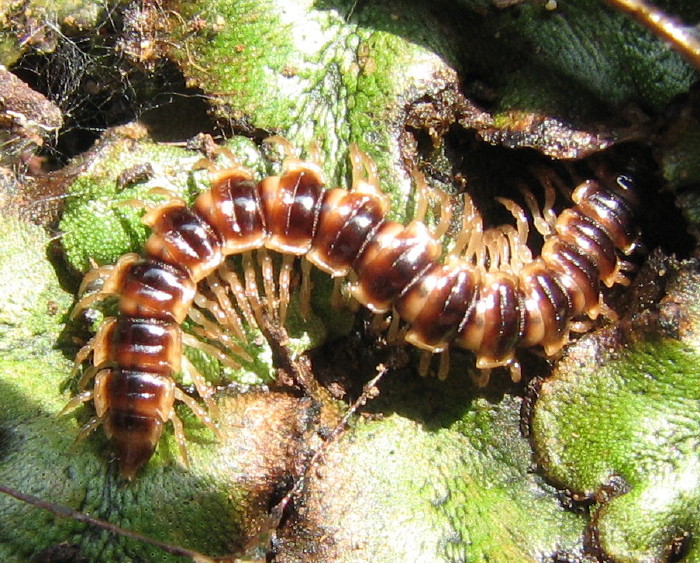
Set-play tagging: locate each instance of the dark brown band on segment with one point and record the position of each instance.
(182, 238)
(153, 289)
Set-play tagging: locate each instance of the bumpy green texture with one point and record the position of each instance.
(575, 56)
(307, 71)
(99, 225)
(407, 487)
(442, 472)
(102, 217)
(30, 313)
(205, 507)
(623, 427)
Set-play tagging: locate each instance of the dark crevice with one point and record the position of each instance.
(96, 87)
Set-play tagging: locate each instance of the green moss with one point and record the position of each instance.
(562, 62)
(319, 78)
(624, 427)
(98, 224)
(397, 490)
(30, 311)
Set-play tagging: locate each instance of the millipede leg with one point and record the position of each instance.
(392, 335)
(337, 298)
(580, 326)
(363, 168)
(284, 145)
(88, 376)
(205, 390)
(82, 355)
(235, 286)
(305, 292)
(205, 164)
(421, 196)
(424, 193)
(86, 302)
(379, 322)
(192, 342)
(268, 278)
(481, 377)
(542, 224)
(470, 222)
(285, 278)
(424, 362)
(313, 154)
(516, 372)
(180, 438)
(75, 402)
(607, 311)
(251, 287)
(214, 331)
(228, 154)
(199, 412)
(517, 238)
(89, 428)
(225, 315)
(101, 273)
(444, 367)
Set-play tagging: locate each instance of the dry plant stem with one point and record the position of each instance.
(683, 38)
(368, 391)
(65, 512)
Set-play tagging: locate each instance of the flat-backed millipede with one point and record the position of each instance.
(486, 294)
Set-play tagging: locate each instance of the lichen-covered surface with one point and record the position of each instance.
(595, 460)
(617, 423)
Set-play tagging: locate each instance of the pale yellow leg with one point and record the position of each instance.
(337, 298)
(223, 357)
(82, 355)
(75, 402)
(285, 279)
(89, 428)
(235, 286)
(444, 368)
(213, 331)
(392, 335)
(225, 316)
(305, 293)
(251, 287)
(205, 390)
(516, 372)
(180, 438)
(199, 412)
(424, 362)
(481, 377)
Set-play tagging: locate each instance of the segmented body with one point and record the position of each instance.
(447, 300)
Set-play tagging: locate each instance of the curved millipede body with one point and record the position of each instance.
(487, 294)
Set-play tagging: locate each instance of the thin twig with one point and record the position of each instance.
(65, 512)
(368, 391)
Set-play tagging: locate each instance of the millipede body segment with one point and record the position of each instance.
(490, 305)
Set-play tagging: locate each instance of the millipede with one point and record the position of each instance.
(486, 293)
